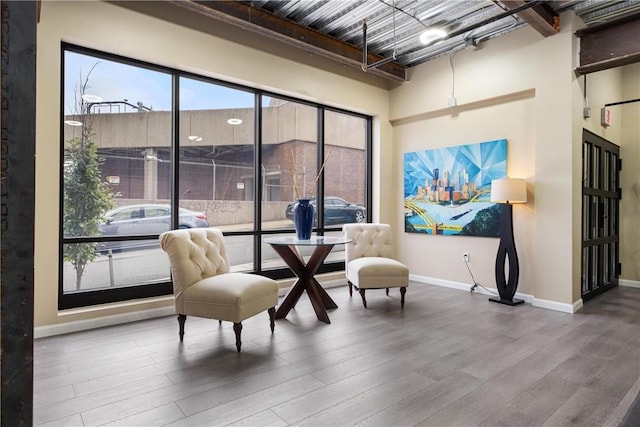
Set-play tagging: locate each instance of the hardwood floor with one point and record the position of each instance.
(450, 358)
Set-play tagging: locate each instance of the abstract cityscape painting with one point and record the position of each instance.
(447, 191)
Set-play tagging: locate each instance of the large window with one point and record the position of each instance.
(147, 149)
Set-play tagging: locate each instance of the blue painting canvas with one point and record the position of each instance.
(448, 190)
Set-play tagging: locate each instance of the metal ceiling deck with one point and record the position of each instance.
(394, 26)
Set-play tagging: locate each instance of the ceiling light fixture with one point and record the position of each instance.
(72, 123)
(234, 121)
(432, 35)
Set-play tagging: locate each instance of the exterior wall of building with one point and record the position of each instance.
(218, 167)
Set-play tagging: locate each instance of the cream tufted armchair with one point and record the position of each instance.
(203, 285)
(369, 260)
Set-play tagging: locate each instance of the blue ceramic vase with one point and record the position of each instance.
(303, 219)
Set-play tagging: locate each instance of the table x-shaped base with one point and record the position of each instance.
(319, 298)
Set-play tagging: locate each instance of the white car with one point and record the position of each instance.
(144, 219)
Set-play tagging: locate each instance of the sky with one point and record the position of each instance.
(113, 81)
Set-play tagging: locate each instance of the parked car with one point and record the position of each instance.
(144, 219)
(336, 211)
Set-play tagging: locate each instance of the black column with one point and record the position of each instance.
(17, 204)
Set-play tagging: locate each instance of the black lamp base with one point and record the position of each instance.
(513, 301)
(507, 253)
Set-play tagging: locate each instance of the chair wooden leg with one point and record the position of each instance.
(387, 291)
(403, 291)
(350, 288)
(237, 328)
(364, 301)
(181, 319)
(272, 318)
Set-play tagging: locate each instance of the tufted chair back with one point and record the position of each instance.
(195, 254)
(368, 240)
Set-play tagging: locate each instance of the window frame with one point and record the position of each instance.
(126, 293)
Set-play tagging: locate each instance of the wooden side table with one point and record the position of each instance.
(286, 247)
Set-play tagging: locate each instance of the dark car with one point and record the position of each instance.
(144, 219)
(336, 211)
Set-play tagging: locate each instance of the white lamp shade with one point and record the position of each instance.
(509, 190)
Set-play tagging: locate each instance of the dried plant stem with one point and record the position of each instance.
(315, 182)
(292, 172)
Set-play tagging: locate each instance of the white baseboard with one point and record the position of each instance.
(629, 283)
(530, 299)
(464, 286)
(557, 306)
(102, 321)
(441, 282)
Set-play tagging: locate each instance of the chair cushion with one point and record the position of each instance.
(377, 272)
(230, 296)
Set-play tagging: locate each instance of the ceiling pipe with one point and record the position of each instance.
(474, 40)
(366, 67)
(494, 18)
(611, 104)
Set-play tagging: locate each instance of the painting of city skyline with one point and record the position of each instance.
(447, 191)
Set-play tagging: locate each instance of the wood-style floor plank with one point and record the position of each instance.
(158, 416)
(449, 358)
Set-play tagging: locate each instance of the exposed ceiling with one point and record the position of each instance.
(335, 28)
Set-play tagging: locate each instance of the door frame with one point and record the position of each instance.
(600, 228)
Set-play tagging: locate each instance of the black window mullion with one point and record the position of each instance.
(175, 149)
(368, 170)
(320, 160)
(257, 188)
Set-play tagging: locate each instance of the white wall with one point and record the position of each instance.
(630, 175)
(114, 29)
(522, 87)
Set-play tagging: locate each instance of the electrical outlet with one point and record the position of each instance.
(465, 256)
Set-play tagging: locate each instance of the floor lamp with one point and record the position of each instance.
(507, 191)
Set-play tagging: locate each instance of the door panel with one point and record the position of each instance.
(600, 210)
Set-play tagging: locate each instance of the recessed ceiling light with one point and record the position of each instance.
(432, 35)
(195, 138)
(234, 121)
(72, 123)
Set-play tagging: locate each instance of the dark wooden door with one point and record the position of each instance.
(600, 215)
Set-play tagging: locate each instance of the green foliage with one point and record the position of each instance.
(486, 223)
(86, 199)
